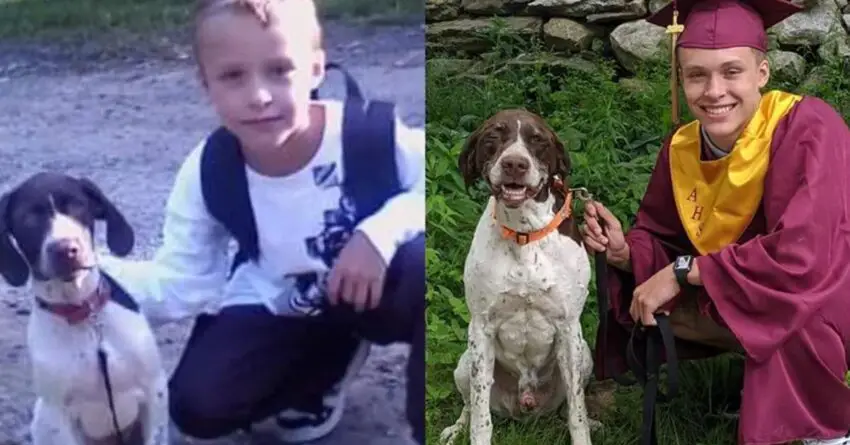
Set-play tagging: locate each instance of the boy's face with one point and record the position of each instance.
(722, 88)
(259, 78)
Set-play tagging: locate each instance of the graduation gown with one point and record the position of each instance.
(782, 288)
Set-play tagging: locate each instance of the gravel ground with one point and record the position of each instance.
(126, 118)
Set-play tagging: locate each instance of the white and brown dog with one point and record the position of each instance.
(526, 281)
(96, 367)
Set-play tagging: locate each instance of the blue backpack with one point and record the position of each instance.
(369, 164)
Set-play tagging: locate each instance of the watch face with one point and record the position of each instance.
(682, 262)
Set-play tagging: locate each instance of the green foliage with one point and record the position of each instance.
(612, 133)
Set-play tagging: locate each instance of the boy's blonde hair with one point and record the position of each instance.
(262, 10)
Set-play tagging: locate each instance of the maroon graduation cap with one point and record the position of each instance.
(718, 24)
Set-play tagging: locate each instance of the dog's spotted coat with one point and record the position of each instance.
(526, 354)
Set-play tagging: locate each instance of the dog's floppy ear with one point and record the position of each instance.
(562, 160)
(13, 266)
(468, 161)
(119, 235)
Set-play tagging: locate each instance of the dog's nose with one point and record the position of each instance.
(515, 165)
(66, 249)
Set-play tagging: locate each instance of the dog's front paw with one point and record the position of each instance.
(450, 434)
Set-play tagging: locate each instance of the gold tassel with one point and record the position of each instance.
(674, 30)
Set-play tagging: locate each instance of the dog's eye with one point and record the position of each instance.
(69, 202)
(33, 215)
(74, 203)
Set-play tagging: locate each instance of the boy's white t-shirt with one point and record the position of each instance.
(295, 217)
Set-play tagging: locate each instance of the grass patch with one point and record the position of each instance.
(613, 134)
(51, 18)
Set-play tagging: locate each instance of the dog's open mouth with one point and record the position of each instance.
(514, 194)
(514, 191)
(73, 274)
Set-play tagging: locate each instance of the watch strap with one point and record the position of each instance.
(681, 268)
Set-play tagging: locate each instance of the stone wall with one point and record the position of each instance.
(569, 28)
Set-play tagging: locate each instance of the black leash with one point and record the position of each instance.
(104, 371)
(101, 358)
(602, 303)
(657, 340)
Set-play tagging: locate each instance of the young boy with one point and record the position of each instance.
(277, 339)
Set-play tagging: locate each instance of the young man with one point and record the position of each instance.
(743, 236)
(278, 337)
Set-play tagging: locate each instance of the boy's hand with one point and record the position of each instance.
(358, 275)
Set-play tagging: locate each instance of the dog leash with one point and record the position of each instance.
(602, 292)
(657, 340)
(104, 370)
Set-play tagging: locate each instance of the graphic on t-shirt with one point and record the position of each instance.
(339, 223)
(325, 176)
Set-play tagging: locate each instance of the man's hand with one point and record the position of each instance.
(610, 240)
(358, 275)
(655, 292)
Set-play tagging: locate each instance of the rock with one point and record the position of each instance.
(440, 10)
(656, 5)
(806, 4)
(632, 11)
(449, 67)
(817, 76)
(773, 42)
(787, 65)
(810, 27)
(638, 41)
(836, 49)
(585, 8)
(560, 65)
(463, 34)
(599, 46)
(842, 3)
(492, 7)
(846, 9)
(569, 35)
(846, 18)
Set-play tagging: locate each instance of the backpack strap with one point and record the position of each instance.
(119, 295)
(224, 184)
(369, 149)
(352, 90)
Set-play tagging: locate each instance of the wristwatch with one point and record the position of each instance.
(681, 268)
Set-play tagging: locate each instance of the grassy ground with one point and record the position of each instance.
(27, 18)
(613, 135)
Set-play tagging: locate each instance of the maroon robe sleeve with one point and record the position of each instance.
(768, 287)
(654, 240)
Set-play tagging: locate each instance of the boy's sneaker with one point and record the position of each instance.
(295, 426)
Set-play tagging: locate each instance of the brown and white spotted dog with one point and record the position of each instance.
(526, 281)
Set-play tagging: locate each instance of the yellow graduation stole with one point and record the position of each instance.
(716, 200)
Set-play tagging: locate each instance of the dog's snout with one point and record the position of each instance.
(515, 165)
(67, 249)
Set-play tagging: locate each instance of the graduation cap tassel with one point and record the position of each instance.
(674, 30)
